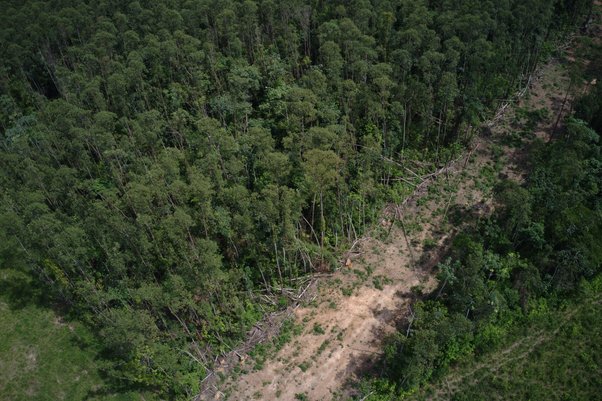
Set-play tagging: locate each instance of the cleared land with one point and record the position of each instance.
(340, 332)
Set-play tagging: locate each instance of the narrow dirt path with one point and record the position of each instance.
(342, 329)
(518, 351)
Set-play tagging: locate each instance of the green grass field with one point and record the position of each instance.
(43, 357)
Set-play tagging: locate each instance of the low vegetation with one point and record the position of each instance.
(517, 310)
(43, 356)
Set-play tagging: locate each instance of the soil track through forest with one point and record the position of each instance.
(358, 306)
(517, 351)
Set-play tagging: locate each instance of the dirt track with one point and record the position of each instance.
(355, 308)
(358, 306)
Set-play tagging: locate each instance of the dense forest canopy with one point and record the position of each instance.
(164, 162)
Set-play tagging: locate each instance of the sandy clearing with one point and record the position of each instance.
(363, 318)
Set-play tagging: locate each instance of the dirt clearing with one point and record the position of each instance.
(340, 332)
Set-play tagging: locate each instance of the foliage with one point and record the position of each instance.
(553, 355)
(45, 357)
(162, 163)
(510, 275)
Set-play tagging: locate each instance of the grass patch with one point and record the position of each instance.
(318, 329)
(304, 366)
(323, 346)
(377, 282)
(347, 291)
(42, 356)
